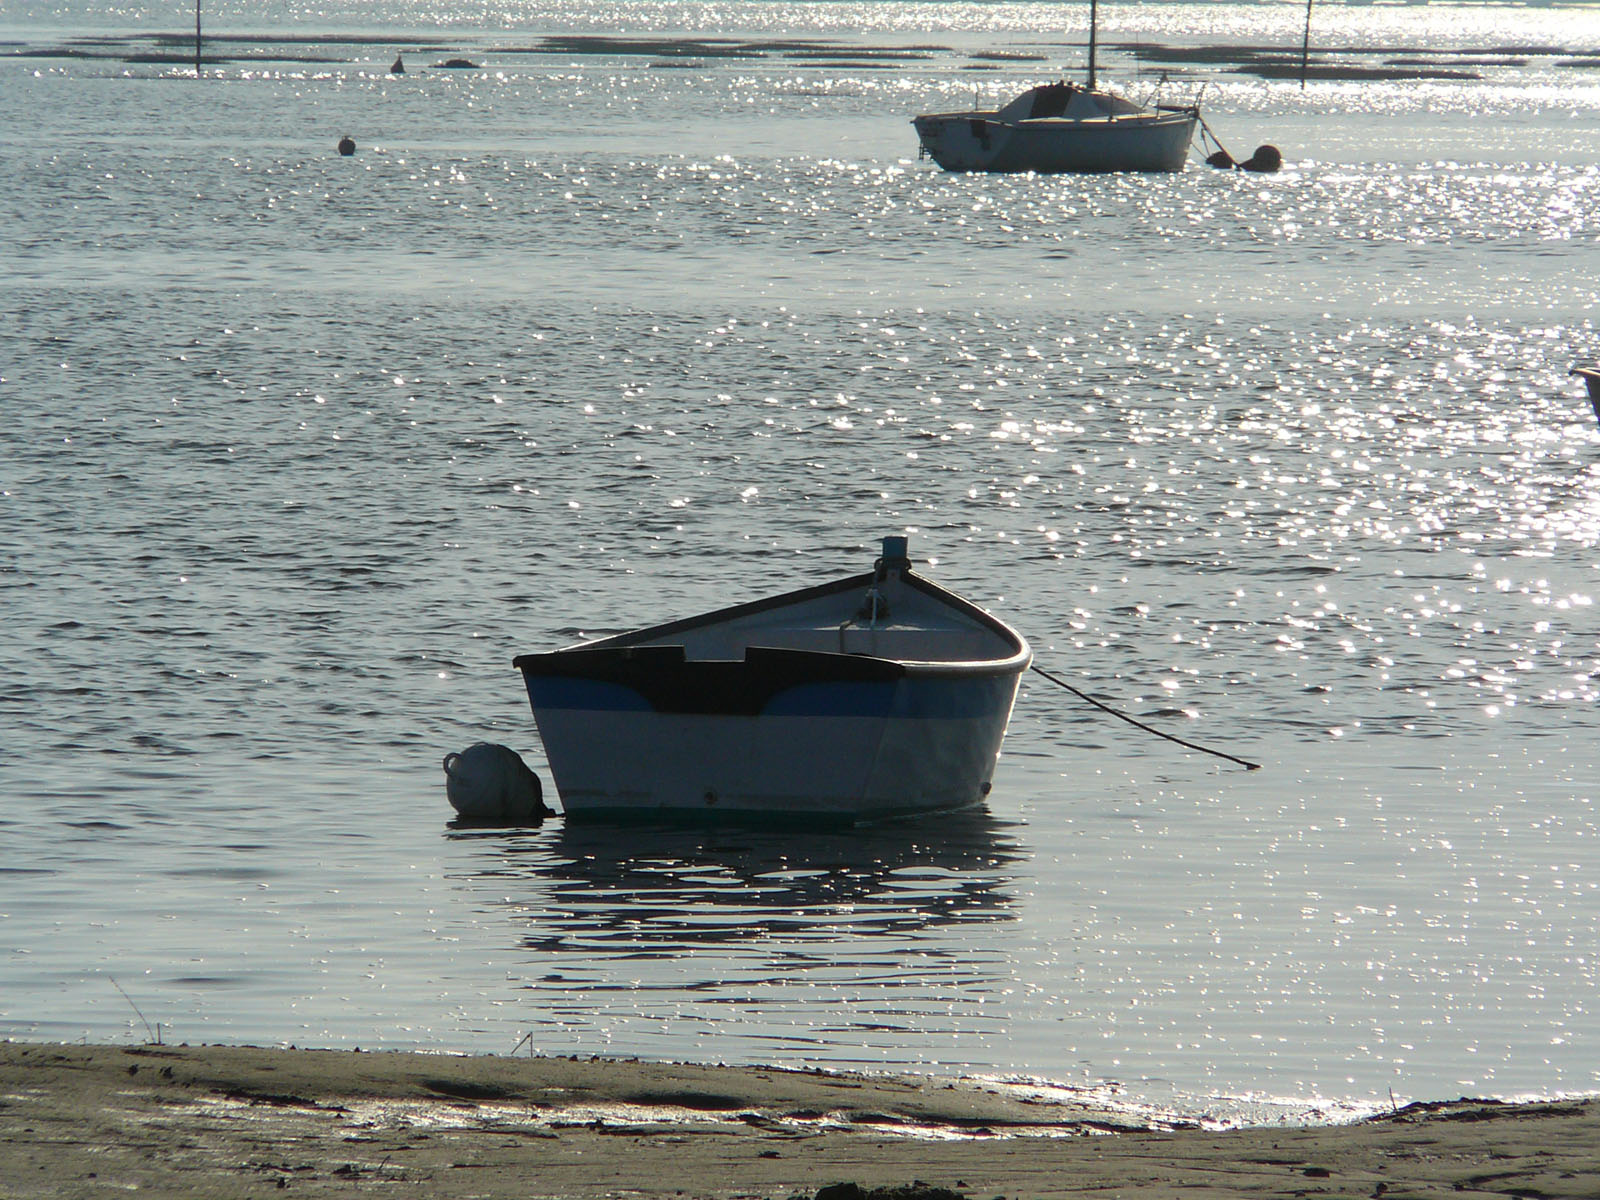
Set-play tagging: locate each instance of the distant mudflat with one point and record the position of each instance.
(229, 1120)
(1347, 63)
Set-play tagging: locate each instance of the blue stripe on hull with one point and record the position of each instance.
(916, 698)
(589, 695)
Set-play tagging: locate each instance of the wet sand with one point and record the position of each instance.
(181, 1121)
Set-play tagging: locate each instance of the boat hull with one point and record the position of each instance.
(829, 753)
(1148, 142)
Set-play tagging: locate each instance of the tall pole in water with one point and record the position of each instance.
(1305, 46)
(1094, 13)
(197, 39)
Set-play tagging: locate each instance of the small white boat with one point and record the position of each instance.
(1062, 127)
(880, 695)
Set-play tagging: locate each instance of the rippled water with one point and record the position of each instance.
(300, 450)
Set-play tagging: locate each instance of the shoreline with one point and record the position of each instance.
(210, 1121)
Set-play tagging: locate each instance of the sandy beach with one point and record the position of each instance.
(214, 1121)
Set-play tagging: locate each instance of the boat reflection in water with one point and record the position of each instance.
(815, 944)
(680, 887)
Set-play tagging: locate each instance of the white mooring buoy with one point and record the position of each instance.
(490, 783)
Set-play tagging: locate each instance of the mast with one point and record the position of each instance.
(1305, 47)
(1094, 14)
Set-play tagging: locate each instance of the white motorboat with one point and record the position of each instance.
(879, 695)
(1062, 127)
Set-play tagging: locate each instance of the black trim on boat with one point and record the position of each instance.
(669, 682)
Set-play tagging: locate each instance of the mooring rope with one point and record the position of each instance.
(1205, 134)
(1248, 765)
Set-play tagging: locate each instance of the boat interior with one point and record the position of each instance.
(889, 619)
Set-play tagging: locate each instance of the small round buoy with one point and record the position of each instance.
(1221, 159)
(491, 784)
(399, 67)
(347, 145)
(1266, 159)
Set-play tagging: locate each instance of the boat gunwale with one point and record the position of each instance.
(1162, 115)
(1109, 121)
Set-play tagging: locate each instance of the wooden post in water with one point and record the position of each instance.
(1305, 46)
(197, 39)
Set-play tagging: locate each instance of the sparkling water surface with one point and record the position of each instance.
(299, 450)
